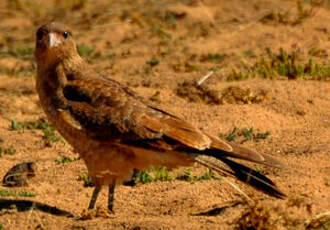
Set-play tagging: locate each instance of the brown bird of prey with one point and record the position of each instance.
(115, 131)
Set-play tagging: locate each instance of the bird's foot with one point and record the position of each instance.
(94, 213)
(87, 214)
(104, 212)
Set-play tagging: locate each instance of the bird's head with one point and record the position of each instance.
(54, 42)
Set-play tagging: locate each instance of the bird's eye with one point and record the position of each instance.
(40, 34)
(65, 34)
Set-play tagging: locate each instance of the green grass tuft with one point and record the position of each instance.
(283, 64)
(153, 62)
(143, 177)
(24, 52)
(162, 174)
(5, 193)
(86, 178)
(49, 136)
(187, 176)
(8, 150)
(65, 159)
(244, 134)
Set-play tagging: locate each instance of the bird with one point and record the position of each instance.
(116, 131)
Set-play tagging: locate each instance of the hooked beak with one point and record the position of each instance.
(53, 40)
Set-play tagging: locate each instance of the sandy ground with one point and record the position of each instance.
(122, 40)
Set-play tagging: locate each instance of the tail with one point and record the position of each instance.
(240, 171)
(244, 174)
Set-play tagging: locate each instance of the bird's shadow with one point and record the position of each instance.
(27, 205)
(218, 210)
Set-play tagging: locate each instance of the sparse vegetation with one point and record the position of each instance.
(28, 125)
(213, 57)
(153, 62)
(244, 134)
(186, 67)
(283, 64)
(18, 71)
(65, 159)
(49, 136)
(289, 17)
(155, 174)
(188, 176)
(24, 52)
(7, 150)
(153, 46)
(5, 193)
(193, 92)
(143, 177)
(88, 52)
(164, 174)
(86, 178)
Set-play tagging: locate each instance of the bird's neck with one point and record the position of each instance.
(57, 74)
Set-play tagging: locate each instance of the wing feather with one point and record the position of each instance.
(107, 111)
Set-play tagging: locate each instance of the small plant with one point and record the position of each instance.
(283, 64)
(29, 125)
(162, 174)
(143, 177)
(49, 136)
(261, 135)
(24, 52)
(215, 68)
(231, 136)
(155, 174)
(153, 62)
(246, 134)
(65, 159)
(86, 178)
(88, 52)
(85, 50)
(187, 176)
(208, 176)
(186, 67)
(301, 14)
(9, 150)
(237, 76)
(5, 193)
(213, 57)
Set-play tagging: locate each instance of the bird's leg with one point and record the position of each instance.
(96, 191)
(111, 196)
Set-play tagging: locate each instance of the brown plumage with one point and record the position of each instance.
(115, 131)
